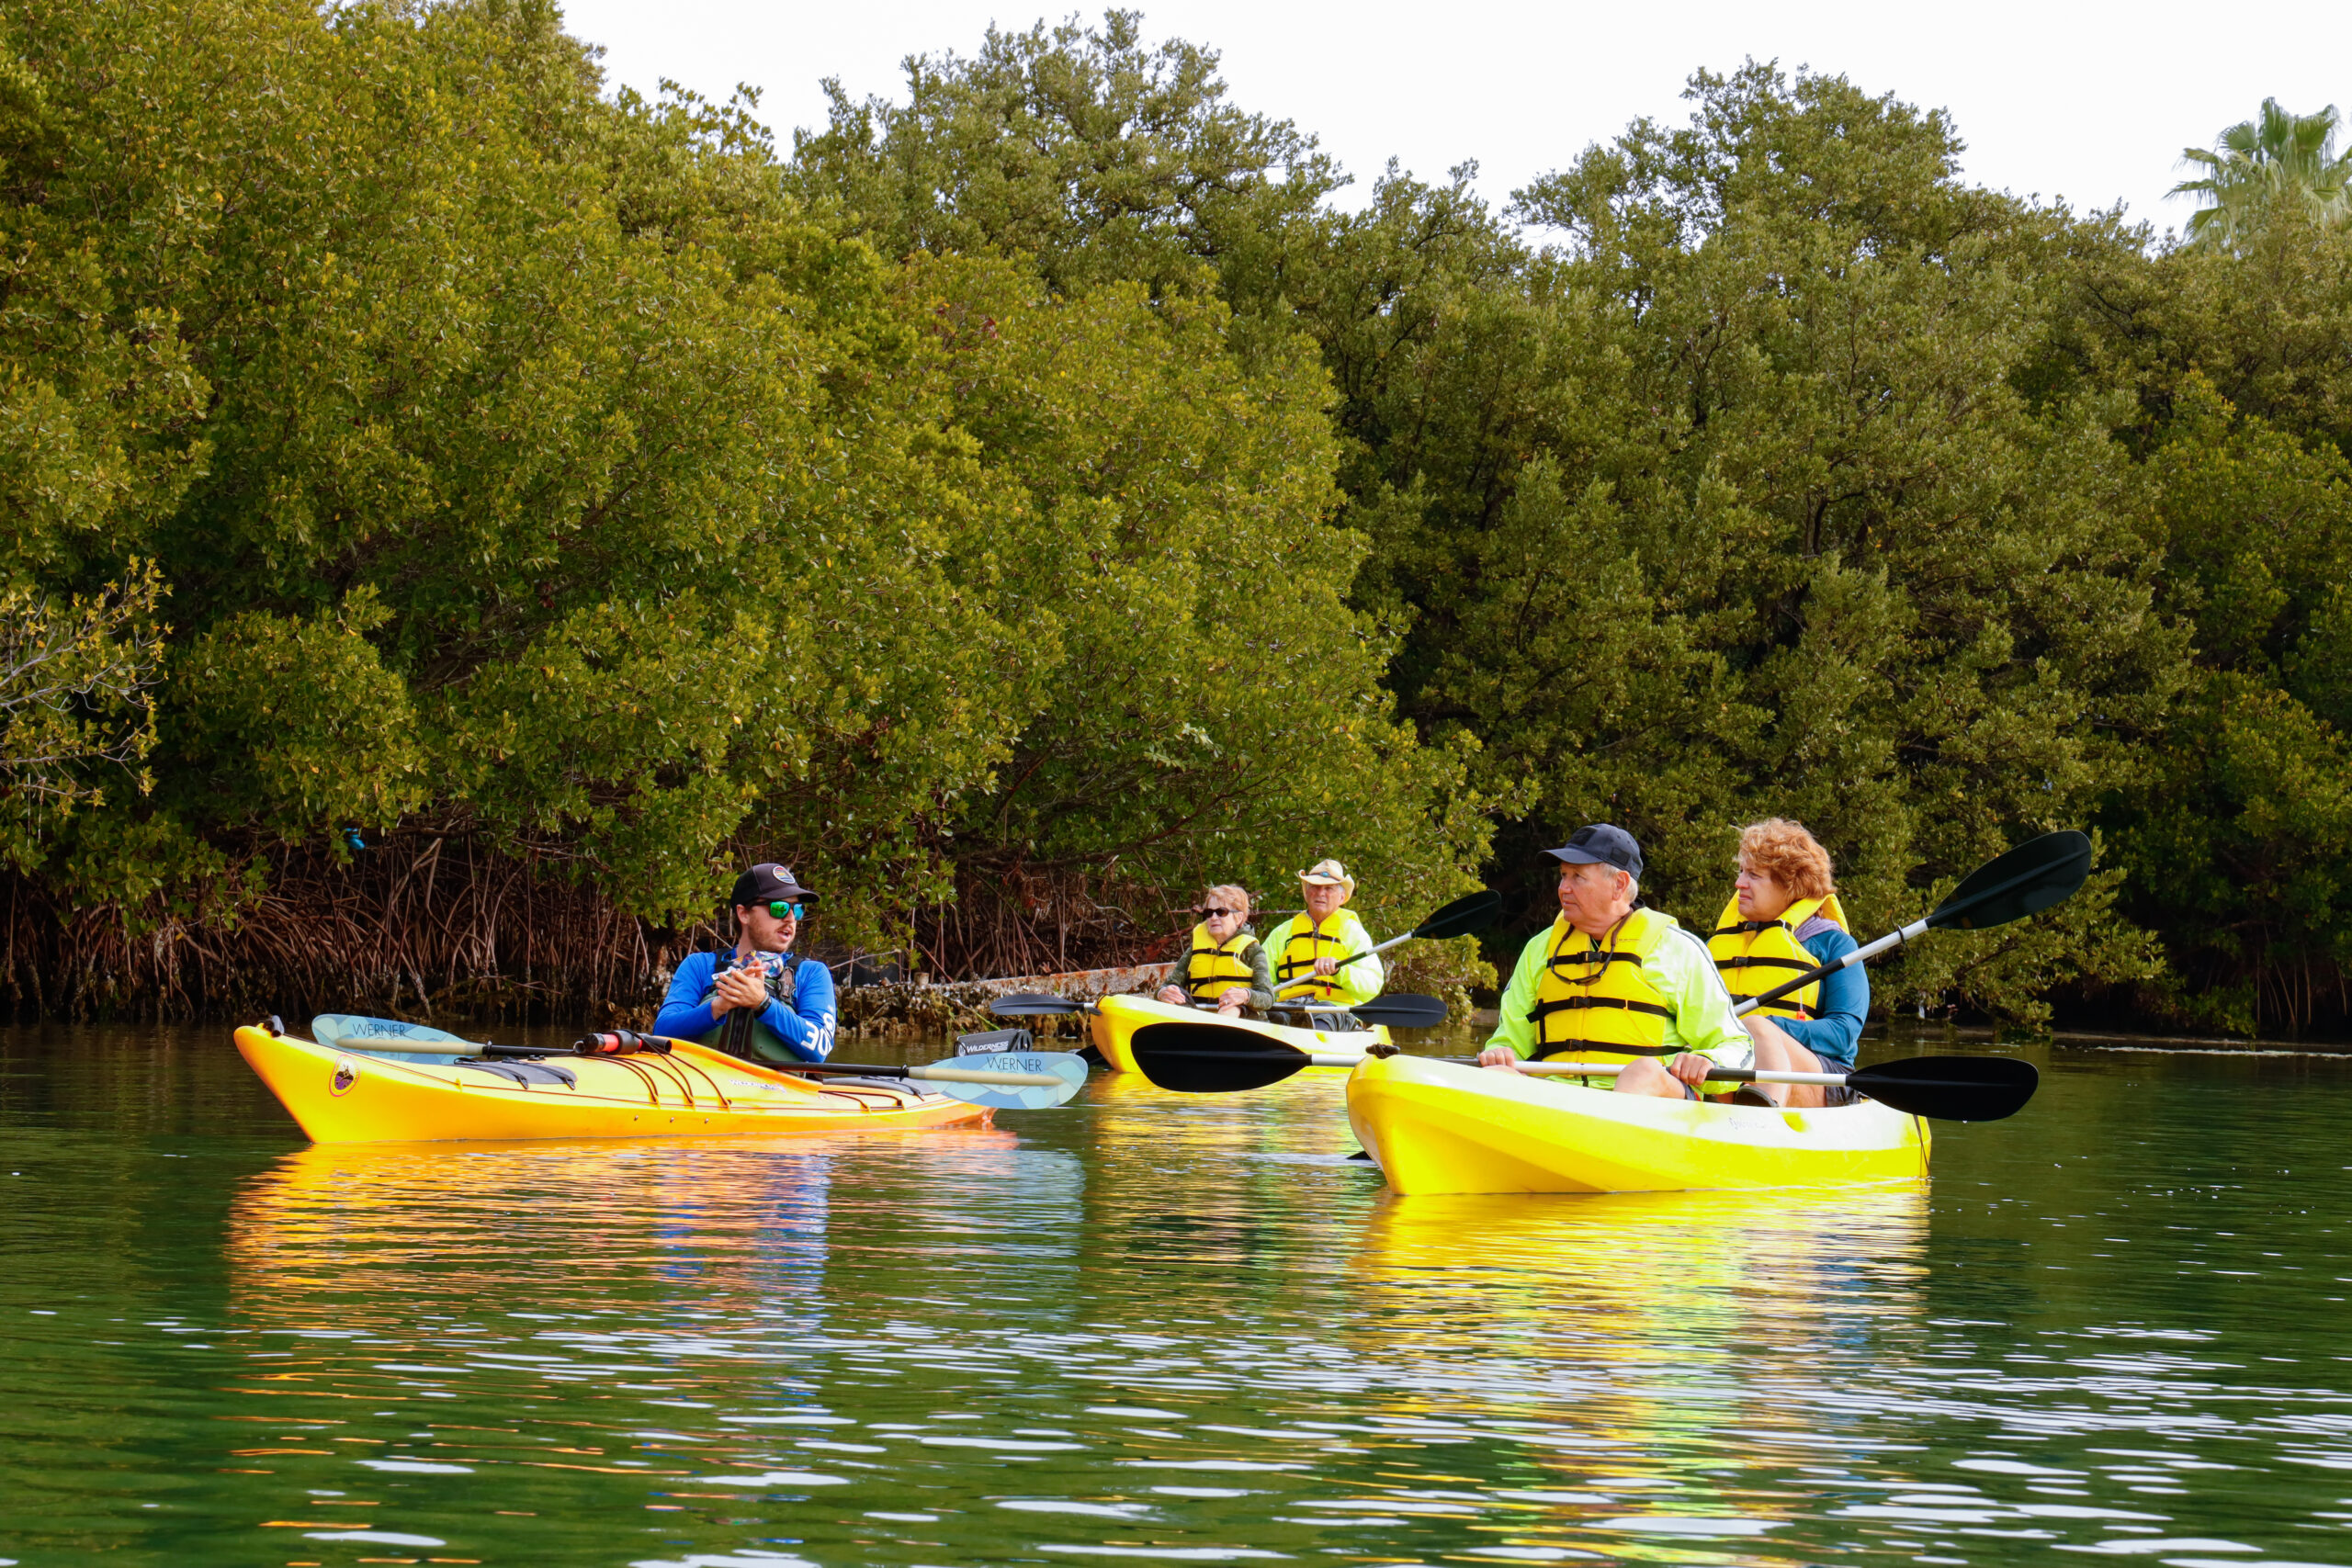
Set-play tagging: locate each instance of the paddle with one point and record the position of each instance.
(1946, 1089)
(1403, 1010)
(1025, 1080)
(1194, 1059)
(1037, 1004)
(2032, 877)
(1471, 912)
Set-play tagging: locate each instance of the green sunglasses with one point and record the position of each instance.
(780, 908)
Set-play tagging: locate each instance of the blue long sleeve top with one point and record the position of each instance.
(804, 1030)
(1844, 1003)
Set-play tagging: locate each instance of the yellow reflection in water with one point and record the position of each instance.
(556, 1222)
(1670, 1328)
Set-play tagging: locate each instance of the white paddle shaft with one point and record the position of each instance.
(1860, 955)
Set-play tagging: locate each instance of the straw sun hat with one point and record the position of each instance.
(1330, 874)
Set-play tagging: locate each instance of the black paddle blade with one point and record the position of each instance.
(1951, 1088)
(2027, 880)
(1201, 1058)
(1406, 1009)
(1471, 912)
(1033, 1004)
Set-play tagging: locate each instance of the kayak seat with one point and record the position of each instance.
(524, 1073)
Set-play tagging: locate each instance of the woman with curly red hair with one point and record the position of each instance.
(1784, 919)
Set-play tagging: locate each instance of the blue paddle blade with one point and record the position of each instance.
(332, 1029)
(1062, 1065)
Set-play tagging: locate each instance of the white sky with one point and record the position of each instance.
(2088, 102)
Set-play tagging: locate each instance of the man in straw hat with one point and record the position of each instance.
(1325, 954)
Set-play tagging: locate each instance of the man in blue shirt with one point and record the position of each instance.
(762, 1003)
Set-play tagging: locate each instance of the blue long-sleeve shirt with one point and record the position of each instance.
(803, 1030)
(1844, 1003)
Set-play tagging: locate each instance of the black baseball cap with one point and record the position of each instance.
(767, 882)
(1601, 844)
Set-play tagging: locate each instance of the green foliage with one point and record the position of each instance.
(1103, 159)
(77, 705)
(1034, 494)
(526, 464)
(2279, 165)
(1737, 504)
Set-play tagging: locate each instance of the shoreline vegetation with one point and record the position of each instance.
(456, 513)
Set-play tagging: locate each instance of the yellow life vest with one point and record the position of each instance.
(1753, 956)
(1592, 1002)
(1342, 937)
(1216, 965)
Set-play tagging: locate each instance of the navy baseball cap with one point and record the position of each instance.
(767, 882)
(1601, 844)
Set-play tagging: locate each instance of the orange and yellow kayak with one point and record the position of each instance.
(352, 1097)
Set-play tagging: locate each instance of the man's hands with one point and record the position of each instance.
(1690, 1068)
(746, 988)
(1232, 999)
(1326, 965)
(1501, 1056)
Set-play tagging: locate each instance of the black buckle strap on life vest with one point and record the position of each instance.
(1746, 928)
(1572, 1048)
(1543, 1010)
(1746, 961)
(1590, 957)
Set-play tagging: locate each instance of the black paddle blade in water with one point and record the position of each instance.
(1033, 1004)
(1951, 1088)
(1471, 912)
(1201, 1058)
(2026, 881)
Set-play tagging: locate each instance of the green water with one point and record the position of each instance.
(1162, 1329)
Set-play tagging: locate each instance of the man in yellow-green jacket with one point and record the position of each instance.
(1325, 954)
(1610, 981)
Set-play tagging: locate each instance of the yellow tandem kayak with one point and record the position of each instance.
(1447, 1127)
(350, 1097)
(1116, 1019)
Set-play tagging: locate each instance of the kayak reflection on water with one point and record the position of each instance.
(1675, 1324)
(517, 1225)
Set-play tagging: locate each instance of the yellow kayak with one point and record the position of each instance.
(1448, 1127)
(1116, 1019)
(351, 1097)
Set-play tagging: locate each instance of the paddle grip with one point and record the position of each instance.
(619, 1043)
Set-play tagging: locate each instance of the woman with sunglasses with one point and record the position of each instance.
(1225, 967)
(760, 1002)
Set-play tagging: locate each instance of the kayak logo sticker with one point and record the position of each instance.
(347, 1073)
